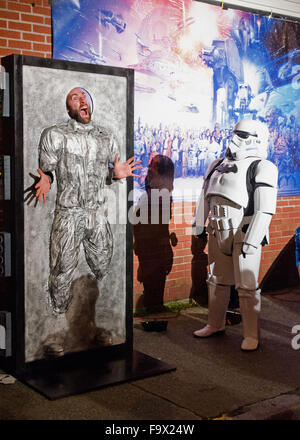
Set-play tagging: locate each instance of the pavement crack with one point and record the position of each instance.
(270, 407)
(167, 400)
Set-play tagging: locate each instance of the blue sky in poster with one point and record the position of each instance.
(198, 69)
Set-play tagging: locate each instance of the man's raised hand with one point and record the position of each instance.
(43, 186)
(126, 169)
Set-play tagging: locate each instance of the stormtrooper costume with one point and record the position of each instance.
(238, 199)
(79, 154)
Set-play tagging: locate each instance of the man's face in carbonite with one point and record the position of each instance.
(78, 106)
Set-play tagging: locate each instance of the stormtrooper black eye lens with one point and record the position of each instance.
(242, 134)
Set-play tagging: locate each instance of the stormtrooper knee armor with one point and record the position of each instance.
(238, 199)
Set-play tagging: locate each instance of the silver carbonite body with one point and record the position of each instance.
(79, 154)
(238, 200)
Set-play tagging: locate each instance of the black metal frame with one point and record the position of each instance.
(262, 12)
(12, 289)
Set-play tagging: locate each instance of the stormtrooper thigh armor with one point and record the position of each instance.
(233, 268)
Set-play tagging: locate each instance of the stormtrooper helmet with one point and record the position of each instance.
(249, 139)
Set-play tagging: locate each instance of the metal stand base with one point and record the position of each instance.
(57, 383)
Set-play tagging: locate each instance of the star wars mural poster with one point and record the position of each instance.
(198, 69)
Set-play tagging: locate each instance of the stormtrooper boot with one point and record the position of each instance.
(250, 307)
(218, 299)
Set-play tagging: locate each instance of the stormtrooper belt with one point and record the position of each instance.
(224, 223)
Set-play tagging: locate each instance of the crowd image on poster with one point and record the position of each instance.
(198, 70)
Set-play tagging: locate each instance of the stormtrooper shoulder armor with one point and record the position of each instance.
(266, 173)
(265, 194)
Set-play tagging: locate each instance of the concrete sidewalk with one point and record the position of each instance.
(213, 377)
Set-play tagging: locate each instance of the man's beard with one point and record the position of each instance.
(75, 114)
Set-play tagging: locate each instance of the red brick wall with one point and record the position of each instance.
(179, 281)
(283, 226)
(25, 28)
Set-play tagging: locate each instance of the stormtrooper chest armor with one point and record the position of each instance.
(229, 180)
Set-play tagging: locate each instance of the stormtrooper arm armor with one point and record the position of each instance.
(201, 214)
(265, 197)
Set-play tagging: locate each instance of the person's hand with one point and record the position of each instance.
(31, 191)
(43, 186)
(173, 239)
(126, 169)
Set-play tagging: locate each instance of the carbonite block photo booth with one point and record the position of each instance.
(94, 336)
